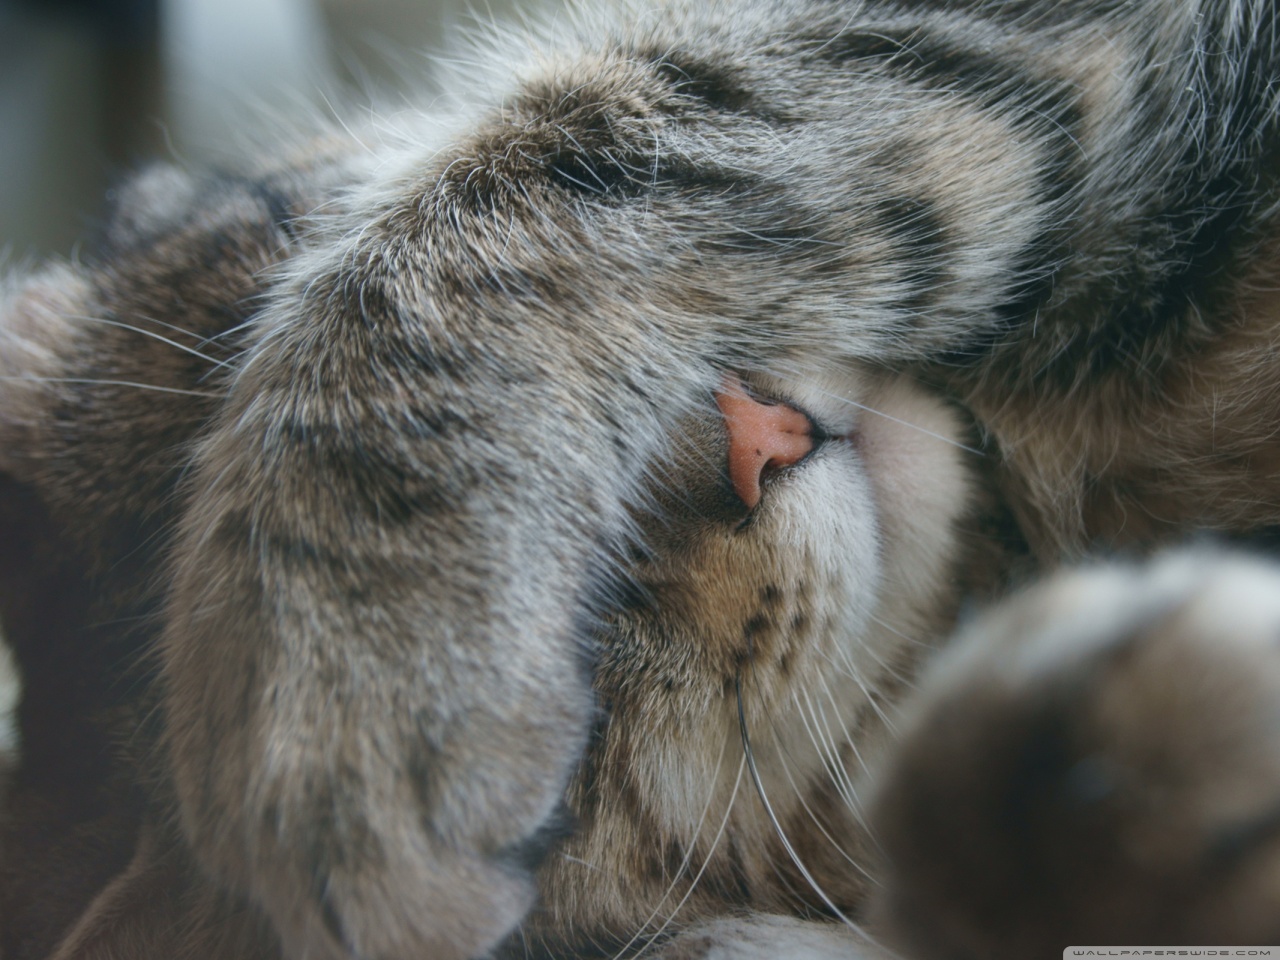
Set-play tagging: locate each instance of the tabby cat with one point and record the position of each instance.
(530, 526)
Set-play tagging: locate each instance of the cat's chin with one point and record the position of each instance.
(863, 534)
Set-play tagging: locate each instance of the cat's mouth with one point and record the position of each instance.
(766, 436)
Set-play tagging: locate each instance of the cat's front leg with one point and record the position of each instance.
(1096, 761)
(377, 645)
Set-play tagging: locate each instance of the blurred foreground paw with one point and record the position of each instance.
(1096, 761)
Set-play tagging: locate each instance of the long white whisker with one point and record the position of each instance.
(856, 804)
(889, 668)
(857, 678)
(846, 667)
(844, 729)
(715, 842)
(777, 825)
(853, 745)
(697, 832)
(885, 624)
(820, 731)
(824, 742)
(153, 335)
(114, 383)
(913, 426)
(851, 670)
(229, 332)
(817, 822)
(950, 441)
(159, 323)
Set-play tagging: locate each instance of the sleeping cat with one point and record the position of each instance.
(524, 534)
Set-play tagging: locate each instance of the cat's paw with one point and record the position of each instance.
(366, 833)
(1097, 761)
(382, 793)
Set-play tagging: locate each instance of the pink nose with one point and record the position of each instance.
(763, 436)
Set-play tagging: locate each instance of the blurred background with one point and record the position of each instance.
(91, 88)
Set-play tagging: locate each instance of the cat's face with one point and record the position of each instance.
(805, 608)
(790, 622)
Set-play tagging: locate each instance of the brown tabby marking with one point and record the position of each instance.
(366, 530)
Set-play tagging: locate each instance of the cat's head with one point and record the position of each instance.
(795, 556)
(352, 460)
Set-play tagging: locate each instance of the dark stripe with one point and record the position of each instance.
(919, 58)
(279, 207)
(1169, 268)
(712, 86)
(1226, 172)
(1028, 15)
(572, 138)
(1047, 106)
(917, 232)
(613, 172)
(757, 215)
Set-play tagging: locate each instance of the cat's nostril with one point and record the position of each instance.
(763, 436)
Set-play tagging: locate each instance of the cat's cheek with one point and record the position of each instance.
(911, 448)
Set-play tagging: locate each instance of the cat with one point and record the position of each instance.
(534, 532)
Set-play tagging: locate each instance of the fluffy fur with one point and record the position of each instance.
(379, 589)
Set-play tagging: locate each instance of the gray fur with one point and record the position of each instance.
(375, 507)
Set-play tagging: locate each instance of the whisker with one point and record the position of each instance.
(230, 331)
(697, 832)
(816, 820)
(914, 426)
(115, 383)
(857, 755)
(152, 334)
(850, 669)
(890, 669)
(874, 704)
(824, 742)
(159, 323)
(787, 371)
(856, 807)
(886, 625)
(822, 737)
(749, 753)
(847, 668)
(733, 796)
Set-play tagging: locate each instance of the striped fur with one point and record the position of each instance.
(369, 555)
